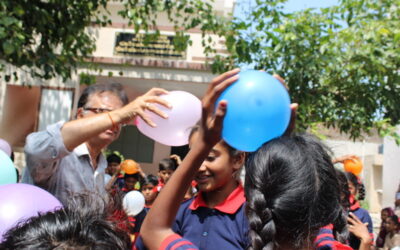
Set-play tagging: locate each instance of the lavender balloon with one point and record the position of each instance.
(173, 131)
(4, 146)
(19, 202)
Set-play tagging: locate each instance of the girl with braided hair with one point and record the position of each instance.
(357, 192)
(356, 187)
(292, 193)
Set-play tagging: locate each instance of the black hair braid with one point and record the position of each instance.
(262, 227)
(292, 191)
(361, 191)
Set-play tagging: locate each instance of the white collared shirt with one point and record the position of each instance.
(52, 167)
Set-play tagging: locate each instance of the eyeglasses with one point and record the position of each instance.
(97, 110)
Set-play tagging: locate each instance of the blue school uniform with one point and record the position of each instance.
(324, 241)
(222, 227)
(364, 217)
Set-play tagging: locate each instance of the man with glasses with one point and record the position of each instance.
(66, 158)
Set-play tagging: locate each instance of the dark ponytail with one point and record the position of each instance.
(292, 191)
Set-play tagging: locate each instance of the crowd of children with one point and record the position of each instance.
(292, 197)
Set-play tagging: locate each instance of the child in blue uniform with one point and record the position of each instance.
(215, 218)
(357, 192)
(216, 177)
(306, 181)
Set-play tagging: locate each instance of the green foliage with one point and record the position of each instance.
(341, 63)
(48, 38)
(87, 79)
(364, 204)
(108, 152)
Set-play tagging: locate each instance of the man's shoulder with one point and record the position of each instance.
(51, 130)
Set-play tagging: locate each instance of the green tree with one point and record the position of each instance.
(48, 38)
(341, 63)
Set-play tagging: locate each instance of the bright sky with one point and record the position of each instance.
(291, 5)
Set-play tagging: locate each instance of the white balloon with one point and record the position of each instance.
(133, 203)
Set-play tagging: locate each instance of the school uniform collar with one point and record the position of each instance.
(354, 204)
(229, 206)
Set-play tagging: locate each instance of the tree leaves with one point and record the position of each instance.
(341, 63)
(49, 38)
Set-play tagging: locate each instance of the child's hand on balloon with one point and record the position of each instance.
(292, 122)
(343, 158)
(211, 123)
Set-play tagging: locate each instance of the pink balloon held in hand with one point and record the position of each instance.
(174, 130)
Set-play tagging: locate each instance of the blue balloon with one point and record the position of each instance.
(258, 110)
(8, 174)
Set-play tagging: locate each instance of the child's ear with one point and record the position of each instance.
(239, 160)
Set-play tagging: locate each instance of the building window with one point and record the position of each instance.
(133, 145)
(55, 105)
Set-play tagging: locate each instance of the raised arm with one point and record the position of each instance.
(43, 149)
(78, 131)
(342, 158)
(157, 225)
